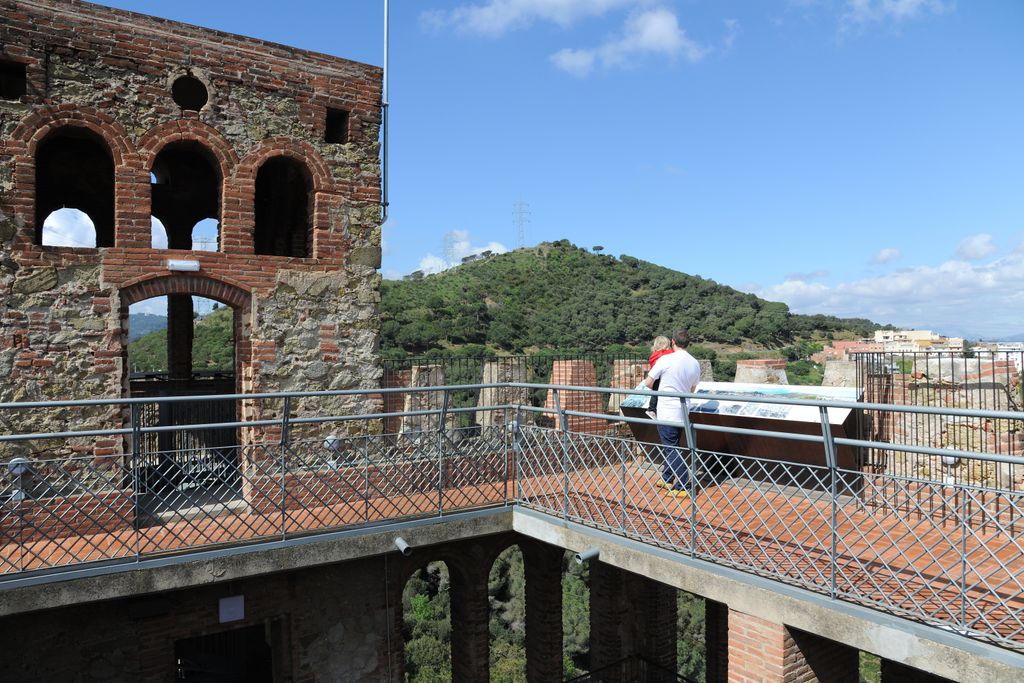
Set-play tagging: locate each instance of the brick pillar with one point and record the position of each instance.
(393, 402)
(651, 626)
(630, 615)
(179, 336)
(765, 651)
(470, 613)
(894, 672)
(606, 614)
(762, 371)
(716, 641)
(543, 611)
(580, 373)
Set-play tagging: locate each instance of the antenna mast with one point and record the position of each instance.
(520, 217)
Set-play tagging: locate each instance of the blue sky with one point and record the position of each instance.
(853, 157)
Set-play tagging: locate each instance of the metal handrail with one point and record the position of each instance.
(371, 478)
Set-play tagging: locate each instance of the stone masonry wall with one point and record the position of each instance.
(307, 323)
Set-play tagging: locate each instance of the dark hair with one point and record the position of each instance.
(681, 338)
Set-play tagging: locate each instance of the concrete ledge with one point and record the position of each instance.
(930, 649)
(112, 581)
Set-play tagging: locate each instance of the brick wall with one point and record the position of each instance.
(580, 373)
(761, 650)
(762, 371)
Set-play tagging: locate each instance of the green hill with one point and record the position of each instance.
(559, 296)
(212, 347)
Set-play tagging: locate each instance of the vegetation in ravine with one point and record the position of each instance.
(427, 627)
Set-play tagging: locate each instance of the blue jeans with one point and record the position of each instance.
(674, 471)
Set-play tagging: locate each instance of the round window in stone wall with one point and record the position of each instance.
(189, 93)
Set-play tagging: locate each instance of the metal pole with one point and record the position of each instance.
(691, 445)
(136, 479)
(830, 459)
(622, 498)
(366, 475)
(384, 119)
(285, 414)
(563, 425)
(440, 453)
(517, 451)
(964, 525)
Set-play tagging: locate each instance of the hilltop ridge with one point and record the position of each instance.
(559, 296)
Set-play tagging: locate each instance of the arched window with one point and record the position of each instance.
(427, 626)
(185, 184)
(284, 199)
(74, 170)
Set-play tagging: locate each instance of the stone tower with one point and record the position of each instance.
(130, 118)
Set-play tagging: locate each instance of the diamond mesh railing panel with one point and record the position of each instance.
(941, 551)
(476, 467)
(65, 512)
(801, 524)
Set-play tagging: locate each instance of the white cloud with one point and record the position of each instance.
(861, 12)
(69, 228)
(976, 247)
(957, 297)
(457, 247)
(158, 234)
(496, 17)
(155, 306)
(653, 31)
(885, 255)
(732, 29)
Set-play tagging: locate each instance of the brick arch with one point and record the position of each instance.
(36, 126)
(218, 289)
(299, 151)
(188, 130)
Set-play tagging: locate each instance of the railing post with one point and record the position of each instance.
(282, 464)
(136, 478)
(366, 474)
(622, 481)
(830, 459)
(517, 452)
(691, 445)
(443, 419)
(563, 425)
(964, 525)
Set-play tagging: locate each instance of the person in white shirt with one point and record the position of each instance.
(680, 372)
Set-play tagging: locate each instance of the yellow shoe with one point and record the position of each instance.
(679, 493)
(662, 484)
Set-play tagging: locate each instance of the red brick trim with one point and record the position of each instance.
(158, 137)
(35, 127)
(40, 123)
(297, 150)
(219, 289)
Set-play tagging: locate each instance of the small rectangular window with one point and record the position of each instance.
(13, 80)
(337, 126)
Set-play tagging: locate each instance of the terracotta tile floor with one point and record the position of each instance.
(891, 562)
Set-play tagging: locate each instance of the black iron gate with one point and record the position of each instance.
(186, 459)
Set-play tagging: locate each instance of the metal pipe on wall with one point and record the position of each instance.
(384, 122)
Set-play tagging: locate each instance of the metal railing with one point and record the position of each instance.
(781, 501)
(473, 375)
(973, 380)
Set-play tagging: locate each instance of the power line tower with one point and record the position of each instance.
(448, 248)
(520, 217)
